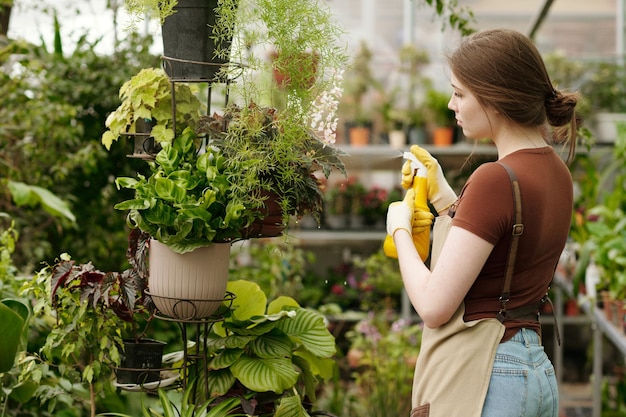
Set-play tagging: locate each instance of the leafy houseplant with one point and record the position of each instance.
(186, 202)
(374, 205)
(299, 133)
(604, 92)
(271, 356)
(94, 313)
(441, 118)
(147, 98)
(201, 194)
(343, 201)
(604, 223)
(263, 157)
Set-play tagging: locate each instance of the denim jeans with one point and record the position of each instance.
(523, 382)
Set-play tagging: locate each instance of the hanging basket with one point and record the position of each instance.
(189, 286)
(188, 43)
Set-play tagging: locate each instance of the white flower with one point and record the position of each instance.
(323, 118)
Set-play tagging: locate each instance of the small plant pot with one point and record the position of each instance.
(397, 139)
(145, 146)
(359, 135)
(442, 136)
(141, 362)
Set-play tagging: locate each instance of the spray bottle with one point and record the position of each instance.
(420, 186)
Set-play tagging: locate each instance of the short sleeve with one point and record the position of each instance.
(485, 206)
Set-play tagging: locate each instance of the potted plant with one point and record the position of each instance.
(270, 356)
(5, 15)
(225, 169)
(358, 82)
(441, 118)
(146, 112)
(267, 162)
(603, 90)
(343, 203)
(598, 224)
(373, 206)
(412, 61)
(196, 36)
(188, 208)
(93, 314)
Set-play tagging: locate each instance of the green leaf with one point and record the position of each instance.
(11, 325)
(291, 407)
(168, 190)
(308, 327)
(250, 300)
(225, 359)
(32, 195)
(272, 345)
(220, 381)
(168, 158)
(23, 391)
(280, 303)
(262, 375)
(134, 204)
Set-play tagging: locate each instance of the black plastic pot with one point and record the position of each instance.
(141, 362)
(188, 47)
(145, 146)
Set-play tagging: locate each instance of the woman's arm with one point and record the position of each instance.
(437, 294)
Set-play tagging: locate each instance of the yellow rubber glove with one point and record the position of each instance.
(400, 214)
(415, 219)
(440, 194)
(422, 220)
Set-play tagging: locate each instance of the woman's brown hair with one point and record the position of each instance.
(505, 71)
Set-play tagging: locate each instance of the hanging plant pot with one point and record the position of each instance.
(306, 65)
(271, 224)
(141, 362)
(188, 43)
(188, 286)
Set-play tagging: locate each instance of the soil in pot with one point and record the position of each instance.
(141, 362)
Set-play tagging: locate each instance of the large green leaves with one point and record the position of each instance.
(269, 348)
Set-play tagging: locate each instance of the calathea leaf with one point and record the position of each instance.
(276, 375)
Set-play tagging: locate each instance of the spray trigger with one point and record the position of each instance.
(418, 168)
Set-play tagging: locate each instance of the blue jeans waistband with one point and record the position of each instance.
(527, 337)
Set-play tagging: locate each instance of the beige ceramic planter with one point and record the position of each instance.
(188, 286)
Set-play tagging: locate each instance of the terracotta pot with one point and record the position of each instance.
(607, 305)
(307, 61)
(442, 136)
(359, 135)
(188, 286)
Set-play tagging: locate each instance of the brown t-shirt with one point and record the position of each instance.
(485, 208)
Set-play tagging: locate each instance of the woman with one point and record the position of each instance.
(502, 92)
